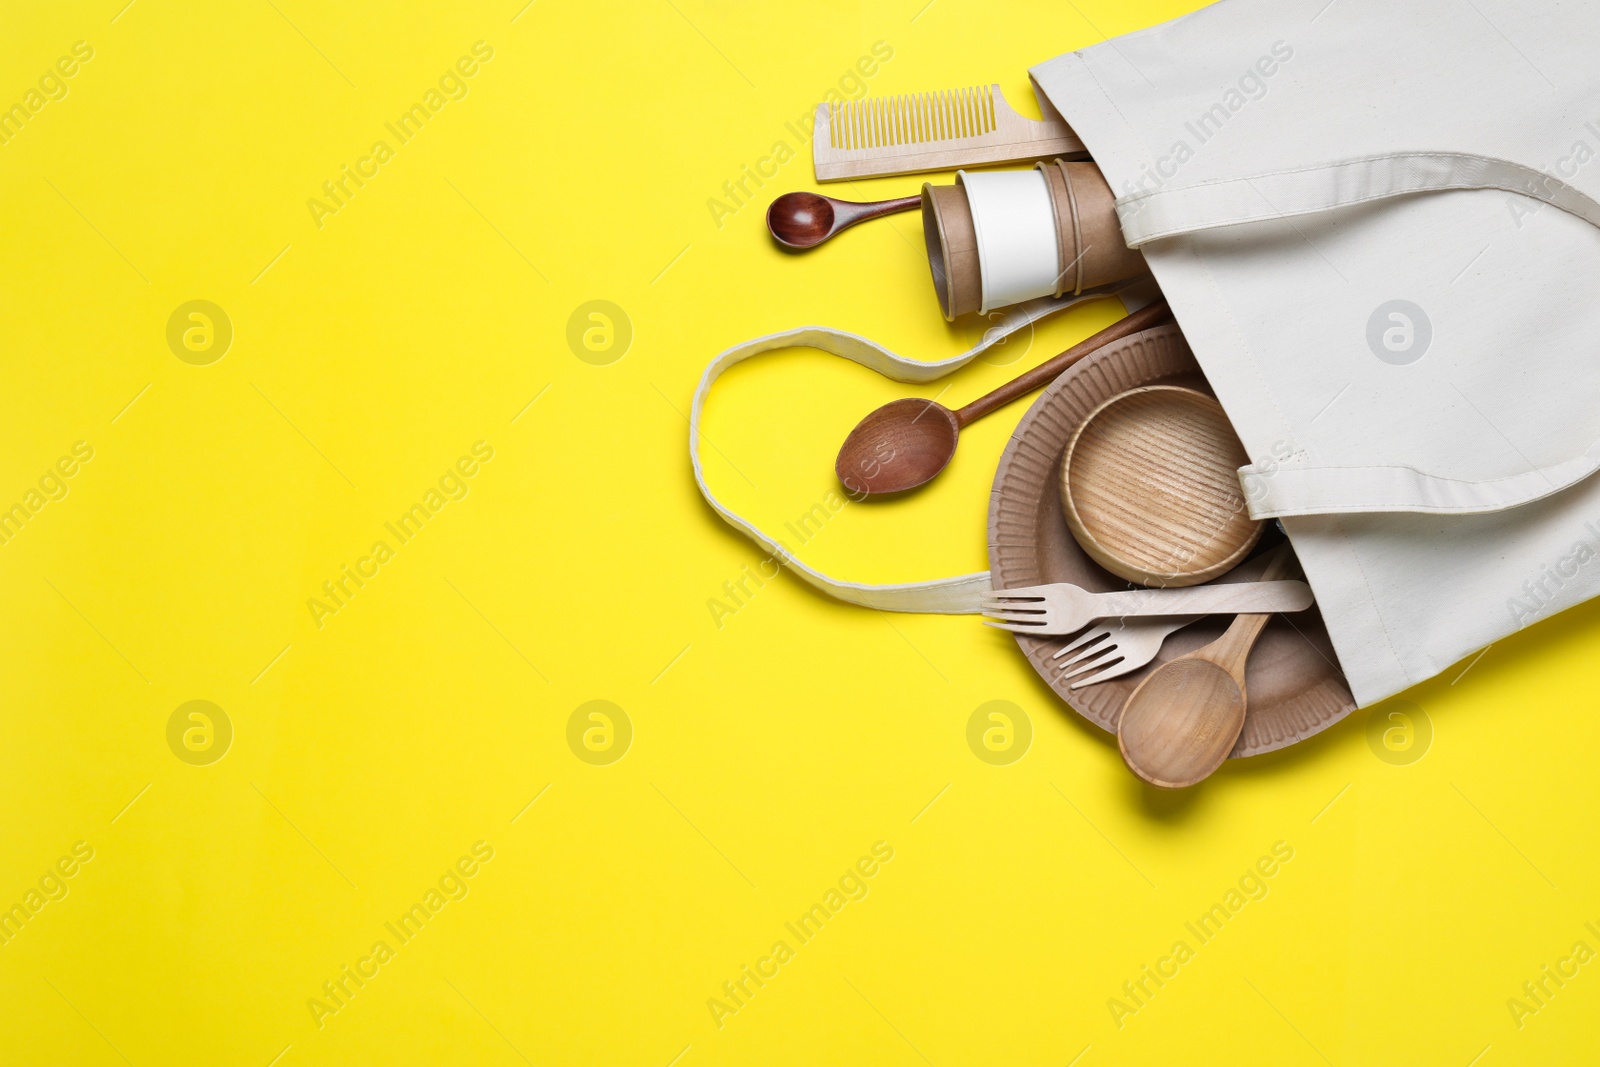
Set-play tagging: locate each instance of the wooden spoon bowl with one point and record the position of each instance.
(899, 446)
(1150, 491)
(1180, 724)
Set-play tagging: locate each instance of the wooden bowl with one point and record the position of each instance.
(1296, 687)
(1149, 488)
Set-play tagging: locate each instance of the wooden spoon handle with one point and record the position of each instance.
(1232, 649)
(848, 214)
(1051, 369)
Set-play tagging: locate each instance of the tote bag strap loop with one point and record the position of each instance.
(948, 596)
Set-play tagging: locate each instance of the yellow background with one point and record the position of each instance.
(768, 752)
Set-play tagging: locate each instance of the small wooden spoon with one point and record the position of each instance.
(1183, 720)
(906, 443)
(805, 220)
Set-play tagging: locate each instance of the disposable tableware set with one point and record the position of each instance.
(1133, 547)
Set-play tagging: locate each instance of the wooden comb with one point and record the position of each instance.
(934, 131)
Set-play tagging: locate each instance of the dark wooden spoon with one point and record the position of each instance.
(805, 220)
(906, 443)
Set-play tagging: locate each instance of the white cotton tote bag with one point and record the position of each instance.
(1376, 223)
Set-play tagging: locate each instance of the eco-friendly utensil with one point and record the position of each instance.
(1183, 720)
(1296, 687)
(1149, 488)
(906, 443)
(1063, 608)
(1117, 647)
(802, 220)
(1121, 646)
(934, 131)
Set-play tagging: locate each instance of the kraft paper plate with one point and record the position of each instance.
(1295, 686)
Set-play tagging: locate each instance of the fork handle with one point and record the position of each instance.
(1239, 598)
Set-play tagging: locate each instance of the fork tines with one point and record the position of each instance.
(1093, 642)
(1016, 610)
(1011, 598)
(1017, 624)
(1015, 607)
(1097, 654)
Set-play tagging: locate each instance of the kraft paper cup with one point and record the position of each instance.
(952, 244)
(1081, 213)
(1093, 252)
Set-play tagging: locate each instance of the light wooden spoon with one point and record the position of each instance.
(1183, 720)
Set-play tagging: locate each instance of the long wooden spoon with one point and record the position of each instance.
(1183, 720)
(906, 443)
(805, 220)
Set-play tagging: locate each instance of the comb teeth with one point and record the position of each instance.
(913, 118)
(921, 132)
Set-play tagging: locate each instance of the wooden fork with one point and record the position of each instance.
(1114, 648)
(1062, 608)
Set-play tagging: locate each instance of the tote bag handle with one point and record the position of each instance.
(944, 596)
